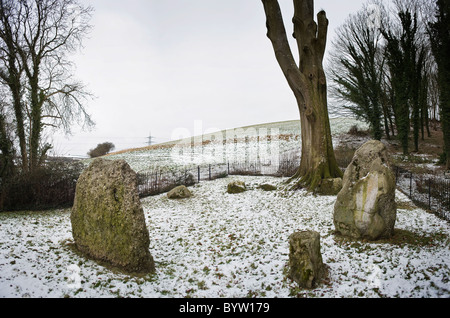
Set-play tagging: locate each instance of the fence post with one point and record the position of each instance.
(210, 172)
(429, 193)
(410, 185)
(447, 195)
(198, 174)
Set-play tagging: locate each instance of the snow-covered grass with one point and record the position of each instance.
(217, 244)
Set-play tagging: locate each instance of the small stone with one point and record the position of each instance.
(236, 187)
(305, 260)
(330, 186)
(267, 187)
(180, 192)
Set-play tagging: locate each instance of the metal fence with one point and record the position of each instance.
(163, 180)
(428, 191)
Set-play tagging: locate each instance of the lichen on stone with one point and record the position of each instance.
(107, 219)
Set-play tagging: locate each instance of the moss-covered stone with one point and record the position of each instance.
(330, 186)
(365, 207)
(180, 192)
(108, 222)
(267, 187)
(236, 187)
(305, 260)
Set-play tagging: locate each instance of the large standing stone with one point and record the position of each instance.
(365, 207)
(305, 260)
(108, 222)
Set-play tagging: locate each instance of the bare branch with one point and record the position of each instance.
(276, 32)
(322, 33)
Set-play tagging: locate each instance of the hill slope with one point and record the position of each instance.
(264, 142)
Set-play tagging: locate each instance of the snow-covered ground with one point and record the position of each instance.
(220, 245)
(217, 244)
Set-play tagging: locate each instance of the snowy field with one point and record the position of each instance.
(217, 244)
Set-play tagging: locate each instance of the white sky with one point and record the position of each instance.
(158, 66)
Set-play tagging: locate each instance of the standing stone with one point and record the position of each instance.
(305, 260)
(365, 207)
(108, 222)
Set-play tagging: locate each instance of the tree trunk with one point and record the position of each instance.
(308, 83)
(7, 152)
(35, 122)
(15, 87)
(12, 77)
(385, 118)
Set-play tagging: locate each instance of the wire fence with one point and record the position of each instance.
(163, 180)
(428, 191)
(160, 180)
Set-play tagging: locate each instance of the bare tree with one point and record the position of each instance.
(357, 68)
(11, 69)
(308, 83)
(439, 32)
(37, 38)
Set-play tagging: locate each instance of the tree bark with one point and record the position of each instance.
(6, 147)
(308, 83)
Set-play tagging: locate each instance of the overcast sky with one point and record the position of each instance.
(160, 66)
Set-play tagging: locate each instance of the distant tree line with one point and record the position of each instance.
(390, 67)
